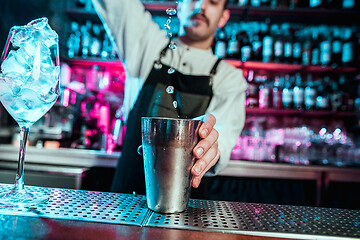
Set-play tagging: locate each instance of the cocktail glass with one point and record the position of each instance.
(29, 87)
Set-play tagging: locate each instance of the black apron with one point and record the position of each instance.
(192, 94)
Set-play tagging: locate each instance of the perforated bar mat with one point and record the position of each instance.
(84, 206)
(283, 220)
(202, 215)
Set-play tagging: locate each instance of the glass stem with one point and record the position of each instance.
(19, 181)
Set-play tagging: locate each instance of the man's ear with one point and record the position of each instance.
(224, 18)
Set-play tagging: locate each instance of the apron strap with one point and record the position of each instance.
(213, 71)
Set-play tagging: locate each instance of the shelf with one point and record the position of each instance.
(295, 112)
(82, 15)
(302, 15)
(107, 63)
(283, 67)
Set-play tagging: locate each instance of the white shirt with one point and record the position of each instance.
(140, 40)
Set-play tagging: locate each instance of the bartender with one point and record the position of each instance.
(203, 84)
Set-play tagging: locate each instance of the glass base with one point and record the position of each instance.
(21, 199)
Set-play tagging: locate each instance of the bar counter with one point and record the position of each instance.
(77, 214)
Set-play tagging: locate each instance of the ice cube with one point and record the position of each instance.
(29, 99)
(4, 86)
(45, 82)
(43, 32)
(21, 36)
(15, 65)
(39, 23)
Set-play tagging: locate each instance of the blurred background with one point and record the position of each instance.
(300, 144)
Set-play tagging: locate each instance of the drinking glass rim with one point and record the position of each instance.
(172, 119)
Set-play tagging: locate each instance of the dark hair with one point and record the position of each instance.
(226, 4)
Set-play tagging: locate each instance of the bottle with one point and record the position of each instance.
(309, 93)
(322, 101)
(325, 49)
(315, 3)
(315, 53)
(73, 42)
(95, 47)
(252, 92)
(288, 45)
(243, 3)
(245, 47)
(264, 92)
(220, 46)
(342, 84)
(256, 42)
(348, 4)
(233, 46)
(306, 48)
(268, 41)
(275, 3)
(298, 92)
(255, 3)
(336, 46)
(347, 57)
(296, 48)
(336, 96)
(85, 39)
(277, 92)
(287, 93)
(278, 45)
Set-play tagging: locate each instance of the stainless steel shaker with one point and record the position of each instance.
(167, 151)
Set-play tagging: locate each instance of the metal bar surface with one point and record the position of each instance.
(202, 215)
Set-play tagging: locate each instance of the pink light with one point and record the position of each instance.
(66, 96)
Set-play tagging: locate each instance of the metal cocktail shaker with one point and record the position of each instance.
(167, 151)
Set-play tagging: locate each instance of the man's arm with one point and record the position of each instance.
(138, 38)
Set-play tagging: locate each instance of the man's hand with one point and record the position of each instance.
(206, 151)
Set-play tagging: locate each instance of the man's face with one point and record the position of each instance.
(200, 18)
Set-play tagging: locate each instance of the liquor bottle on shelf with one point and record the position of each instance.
(220, 46)
(287, 92)
(306, 48)
(336, 46)
(245, 47)
(277, 92)
(257, 42)
(309, 93)
(255, 3)
(322, 100)
(298, 92)
(252, 92)
(95, 46)
(288, 44)
(244, 3)
(316, 3)
(73, 42)
(85, 39)
(233, 45)
(325, 49)
(349, 4)
(296, 48)
(268, 42)
(347, 57)
(264, 91)
(315, 53)
(278, 45)
(336, 96)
